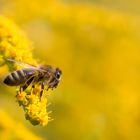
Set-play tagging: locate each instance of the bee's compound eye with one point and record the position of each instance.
(57, 75)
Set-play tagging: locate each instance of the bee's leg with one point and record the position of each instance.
(33, 86)
(20, 89)
(24, 87)
(27, 83)
(48, 87)
(42, 89)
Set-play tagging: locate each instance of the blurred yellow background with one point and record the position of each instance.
(97, 46)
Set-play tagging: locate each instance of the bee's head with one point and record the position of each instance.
(53, 83)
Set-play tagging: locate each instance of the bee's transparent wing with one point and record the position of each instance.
(20, 63)
(24, 64)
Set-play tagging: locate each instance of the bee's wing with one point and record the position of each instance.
(20, 63)
(25, 64)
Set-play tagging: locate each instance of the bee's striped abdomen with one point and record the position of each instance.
(15, 78)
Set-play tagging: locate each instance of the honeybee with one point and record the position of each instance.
(30, 75)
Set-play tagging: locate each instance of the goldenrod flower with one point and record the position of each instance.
(14, 45)
(34, 106)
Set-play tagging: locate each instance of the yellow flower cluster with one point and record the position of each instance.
(35, 107)
(14, 45)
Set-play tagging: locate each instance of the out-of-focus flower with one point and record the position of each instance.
(14, 45)
(14, 130)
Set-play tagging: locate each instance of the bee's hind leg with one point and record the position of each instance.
(42, 89)
(20, 89)
(27, 83)
(32, 88)
(25, 86)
